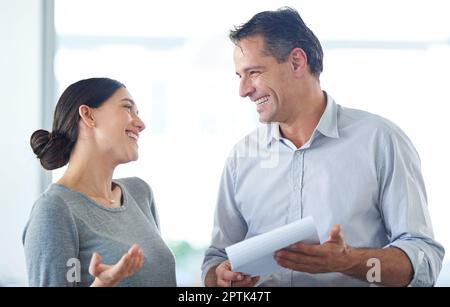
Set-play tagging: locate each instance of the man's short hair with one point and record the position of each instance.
(283, 30)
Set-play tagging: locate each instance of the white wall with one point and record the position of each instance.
(21, 105)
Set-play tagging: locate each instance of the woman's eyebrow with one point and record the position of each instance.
(129, 100)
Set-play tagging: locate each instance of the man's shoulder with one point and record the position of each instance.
(368, 120)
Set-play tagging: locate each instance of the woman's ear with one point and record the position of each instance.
(86, 115)
(299, 61)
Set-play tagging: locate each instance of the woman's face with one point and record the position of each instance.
(117, 127)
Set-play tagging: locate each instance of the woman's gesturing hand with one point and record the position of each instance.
(110, 275)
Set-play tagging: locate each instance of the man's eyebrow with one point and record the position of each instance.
(250, 68)
(253, 67)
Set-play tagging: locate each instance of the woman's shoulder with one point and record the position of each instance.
(52, 200)
(50, 211)
(141, 193)
(134, 183)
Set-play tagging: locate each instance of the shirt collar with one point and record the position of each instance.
(327, 124)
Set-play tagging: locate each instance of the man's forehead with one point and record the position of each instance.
(248, 49)
(256, 42)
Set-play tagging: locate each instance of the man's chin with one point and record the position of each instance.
(264, 120)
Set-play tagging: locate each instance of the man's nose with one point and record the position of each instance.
(246, 87)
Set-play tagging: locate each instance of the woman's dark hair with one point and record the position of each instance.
(53, 149)
(283, 30)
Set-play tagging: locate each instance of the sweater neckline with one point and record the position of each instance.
(123, 207)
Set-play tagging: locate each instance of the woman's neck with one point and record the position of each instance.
(89, 174)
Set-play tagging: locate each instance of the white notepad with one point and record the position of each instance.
(254, 256)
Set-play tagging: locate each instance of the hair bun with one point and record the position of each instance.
(50, 148)
(39, 140)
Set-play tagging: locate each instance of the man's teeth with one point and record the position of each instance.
(262, 100)
(133, 136)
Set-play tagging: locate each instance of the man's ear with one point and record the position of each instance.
(86, 115)
(299, 61)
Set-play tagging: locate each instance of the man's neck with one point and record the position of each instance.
(299, 128)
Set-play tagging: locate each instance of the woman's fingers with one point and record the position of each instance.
(130, 262)
(134, 250)
(138, 261)
(93, 266)
(120, 267)
(141, 263)
(133, 264)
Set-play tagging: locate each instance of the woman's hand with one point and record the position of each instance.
(110, 275)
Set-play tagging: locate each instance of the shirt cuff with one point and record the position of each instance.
(421, 274)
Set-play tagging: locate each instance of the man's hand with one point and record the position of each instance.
(228, 278)
(110, 275)
(331, 256)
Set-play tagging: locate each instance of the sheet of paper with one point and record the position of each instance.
(254, 256)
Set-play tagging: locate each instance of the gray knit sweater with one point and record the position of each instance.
(66, 227)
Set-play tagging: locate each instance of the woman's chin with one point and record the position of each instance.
(130, 158)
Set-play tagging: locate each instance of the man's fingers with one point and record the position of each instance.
(335, 233)
(306, 249)
(248, 281)
(301, 267)
(223, 283)
(224, 272)
(297, 258)
(225, 277)
(243, 283)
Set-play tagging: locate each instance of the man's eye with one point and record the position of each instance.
(128, 107)
(254, 73)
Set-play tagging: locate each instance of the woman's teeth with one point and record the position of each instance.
(133, 136)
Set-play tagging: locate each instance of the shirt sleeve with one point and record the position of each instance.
(51, 245)
(404, 208)
(229, 225)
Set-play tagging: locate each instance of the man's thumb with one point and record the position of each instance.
(335, 233)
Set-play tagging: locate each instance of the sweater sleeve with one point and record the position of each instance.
(51, 245)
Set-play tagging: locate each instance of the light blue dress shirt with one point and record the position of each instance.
(358, 170)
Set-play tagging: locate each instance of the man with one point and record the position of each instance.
(356, 173)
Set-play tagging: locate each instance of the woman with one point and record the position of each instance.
(86, 213)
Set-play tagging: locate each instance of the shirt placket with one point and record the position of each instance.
(296, 208)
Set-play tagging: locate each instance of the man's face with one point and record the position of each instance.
(263, 79)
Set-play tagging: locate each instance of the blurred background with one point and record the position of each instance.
(387, 57)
